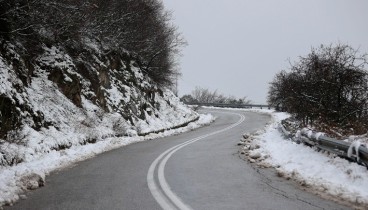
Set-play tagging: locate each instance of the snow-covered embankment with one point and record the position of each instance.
(61, 108)
(323, 173)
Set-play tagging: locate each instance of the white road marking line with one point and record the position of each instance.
(167, 199)
(159, 197)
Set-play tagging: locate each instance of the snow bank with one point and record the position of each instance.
(317, 170)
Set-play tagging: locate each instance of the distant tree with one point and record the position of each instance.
(204, 95)
(188, 99)
(329, 84)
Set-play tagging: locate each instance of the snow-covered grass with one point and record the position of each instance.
(14, 180)
(319, 171)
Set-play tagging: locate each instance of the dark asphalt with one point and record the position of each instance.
(207, 174)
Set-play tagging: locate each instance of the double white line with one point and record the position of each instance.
(161, 190)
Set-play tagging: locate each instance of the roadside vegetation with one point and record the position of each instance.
(327, 89)
(140, 27)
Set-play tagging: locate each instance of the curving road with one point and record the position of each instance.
(195, 170)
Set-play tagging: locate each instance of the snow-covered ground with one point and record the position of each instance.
(322, 173)
(318, 171)
(29, 175)
(63, 113)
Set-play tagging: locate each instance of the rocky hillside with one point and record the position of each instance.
(59, 99)
(78, 78)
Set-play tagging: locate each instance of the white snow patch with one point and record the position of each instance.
(354, 146)
(328, 174)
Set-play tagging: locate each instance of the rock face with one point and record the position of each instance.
(60, 99)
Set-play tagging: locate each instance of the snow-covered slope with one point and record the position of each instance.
(63, 107)
(57, 101)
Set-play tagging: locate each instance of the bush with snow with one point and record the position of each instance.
(328, 86)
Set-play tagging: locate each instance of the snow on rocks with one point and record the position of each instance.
(251, 149)
(64, 116)
(254, 154)
(32, 181)
(323, 173)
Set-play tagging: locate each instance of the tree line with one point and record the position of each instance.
(140, 27)
(204, 95)
(329, 85)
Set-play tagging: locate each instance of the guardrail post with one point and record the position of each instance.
(335, 146)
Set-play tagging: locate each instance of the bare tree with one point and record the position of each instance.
(204, 95)
(141, 27)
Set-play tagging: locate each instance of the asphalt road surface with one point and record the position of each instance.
(195, 170)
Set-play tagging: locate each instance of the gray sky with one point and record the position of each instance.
(237, 46)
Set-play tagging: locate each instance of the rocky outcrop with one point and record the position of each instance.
(60, 98)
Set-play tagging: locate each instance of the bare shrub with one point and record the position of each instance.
(329, 85)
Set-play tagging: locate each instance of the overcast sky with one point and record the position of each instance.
(237, 46)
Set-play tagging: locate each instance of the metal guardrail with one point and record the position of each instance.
(331, 145)
(222, 105)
